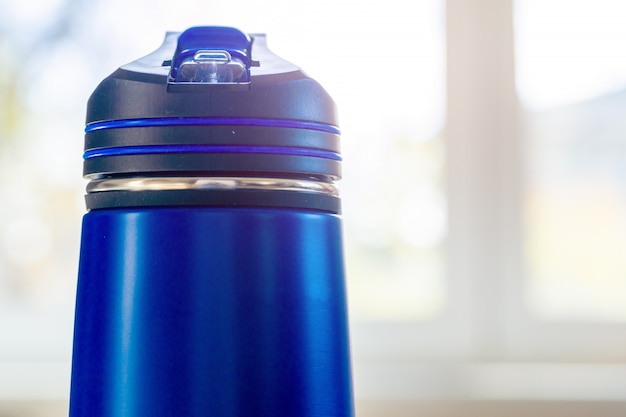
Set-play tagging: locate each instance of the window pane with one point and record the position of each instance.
(392, 109)
(571, 79)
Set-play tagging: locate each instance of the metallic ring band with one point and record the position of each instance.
(208, 183)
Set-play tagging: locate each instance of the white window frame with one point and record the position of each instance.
(486, 345)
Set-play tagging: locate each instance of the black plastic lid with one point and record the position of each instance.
(211, 101)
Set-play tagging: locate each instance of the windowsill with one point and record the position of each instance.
(59, 408)
(490, 409)
(489, 381)
(394, 382)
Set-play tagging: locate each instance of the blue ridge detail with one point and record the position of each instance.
(169, 149)
(211, 121)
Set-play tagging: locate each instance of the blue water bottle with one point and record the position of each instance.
(211, 279)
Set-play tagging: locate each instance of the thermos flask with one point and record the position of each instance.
(211, 277)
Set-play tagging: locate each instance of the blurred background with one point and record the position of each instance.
(484, 190)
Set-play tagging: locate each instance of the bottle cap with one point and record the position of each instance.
(211, 101)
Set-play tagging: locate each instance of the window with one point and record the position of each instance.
(571, 79)
(535, 213)
(484, 187)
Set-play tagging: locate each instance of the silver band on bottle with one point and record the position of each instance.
(210, 183)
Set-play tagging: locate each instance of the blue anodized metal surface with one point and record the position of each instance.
(212, 312)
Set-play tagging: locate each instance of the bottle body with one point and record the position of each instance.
(211, 311)
(211, 278)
